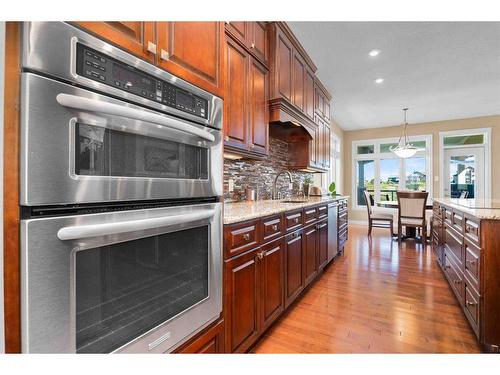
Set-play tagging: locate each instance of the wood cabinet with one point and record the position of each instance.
(298, 81)
(193, 51)
(310, 253)
(309, 94)
(246, 115)
(242, 301)
(253, 36)
(260, 283)
(137, 38)
(209, 341)
(469, 254)
(322, 244)
(294, 266)
(272, 282)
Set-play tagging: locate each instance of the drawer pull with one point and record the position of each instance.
(246, 236)
(274, 227)
(471, 262)
(469, 303)
(296, 220)
(457, 281)
(260, 255)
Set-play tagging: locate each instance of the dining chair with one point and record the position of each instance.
(377, 219)
(411, 212)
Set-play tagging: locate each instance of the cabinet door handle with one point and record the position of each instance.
(152, 47)
(252, 45)
(226, 138)
(274, 227)
(164, 55)
(252, 146)
(246, 236)
(457, 281)
(260, 255)
(469, 303)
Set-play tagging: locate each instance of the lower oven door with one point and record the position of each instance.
(134, 281)
(78, 146)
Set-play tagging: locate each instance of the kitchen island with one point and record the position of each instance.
(465, 239)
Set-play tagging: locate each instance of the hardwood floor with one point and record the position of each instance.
(375, 299)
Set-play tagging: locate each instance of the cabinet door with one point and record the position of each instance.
(284, 54)
(259, 40)
(239, 30)
(259, 112)
(236, 100)
(326, 145)
(322, 244)
(272, 278)
(194, 52)
(314, 145)
(135, 37)
(294, 269)
(309, 94)
(310, 249)
(299, 71)
(210, 341)
(242, 305)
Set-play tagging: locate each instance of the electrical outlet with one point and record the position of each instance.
(231, 185)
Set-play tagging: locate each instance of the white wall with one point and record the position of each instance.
(2, 59)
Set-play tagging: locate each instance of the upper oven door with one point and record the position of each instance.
(138, 281)
(81, 147)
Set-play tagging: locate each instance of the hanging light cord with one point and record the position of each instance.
(405, 134)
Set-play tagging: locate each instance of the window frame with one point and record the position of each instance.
(487, 154)
(377, 156)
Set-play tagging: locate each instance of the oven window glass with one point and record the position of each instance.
(105, 152)
(126, 289)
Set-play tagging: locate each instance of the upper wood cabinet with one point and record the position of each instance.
(298, 83)
(322, 101)
(309, 94)
(194, 52)
(253, 36)
(259, 114)
(246, 113)
(135, 37)
(283, 67)
(236, 101)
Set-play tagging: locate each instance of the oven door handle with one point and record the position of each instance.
(93, 105)
(97, 230)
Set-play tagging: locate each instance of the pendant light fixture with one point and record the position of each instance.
(404, 149)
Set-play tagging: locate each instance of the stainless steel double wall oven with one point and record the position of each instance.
(120, 195)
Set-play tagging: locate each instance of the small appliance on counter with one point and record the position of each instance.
(317, 191)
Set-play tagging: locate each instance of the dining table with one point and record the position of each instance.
(410, 232)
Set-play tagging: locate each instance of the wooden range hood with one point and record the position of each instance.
(286, 124)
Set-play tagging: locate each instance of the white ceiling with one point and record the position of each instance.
(441, 70)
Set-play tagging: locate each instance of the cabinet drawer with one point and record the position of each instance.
(342, 206)
(472, 307)
(472, 231)
(454, 277)
(293, 220)
(453, 242)
(322, 212)
(240, 237)
(472, 262)
(437, 211)
(448, 216)
(271, 227)
(309, 215)
(458, 221)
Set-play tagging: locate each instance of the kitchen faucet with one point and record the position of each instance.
(276, 180)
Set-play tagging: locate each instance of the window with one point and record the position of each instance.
(379, 171)
(334, 172)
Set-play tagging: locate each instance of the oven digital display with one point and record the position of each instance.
(184, 99)
(137, 80)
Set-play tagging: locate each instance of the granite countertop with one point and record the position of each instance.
(487, 209)
(235, 212)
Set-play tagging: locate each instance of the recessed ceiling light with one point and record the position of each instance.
(379, 81)
(374, 52)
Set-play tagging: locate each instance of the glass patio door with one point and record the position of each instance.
(463, 172)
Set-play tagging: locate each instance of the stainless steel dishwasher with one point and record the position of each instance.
(333, 245)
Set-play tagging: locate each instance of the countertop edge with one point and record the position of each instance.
(479, 213)
(275, 210)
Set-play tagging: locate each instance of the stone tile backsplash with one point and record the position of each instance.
(260, 174)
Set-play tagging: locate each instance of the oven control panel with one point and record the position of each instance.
(104, 69)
